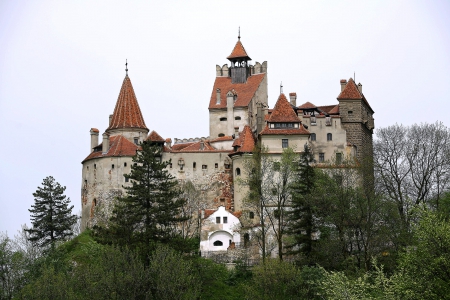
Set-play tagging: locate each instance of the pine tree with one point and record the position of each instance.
(300, 217)
(51, 217)
(150, 210)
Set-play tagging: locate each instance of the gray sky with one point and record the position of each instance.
(62, 66)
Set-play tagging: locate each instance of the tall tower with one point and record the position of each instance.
(236, 92)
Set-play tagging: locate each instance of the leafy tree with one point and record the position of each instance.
(283, 173)
(51, 216)
(150, 210)
(300, 217)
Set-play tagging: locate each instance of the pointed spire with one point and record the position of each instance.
(238, 50)
(127, 113)
(283, 112)
(281, 88)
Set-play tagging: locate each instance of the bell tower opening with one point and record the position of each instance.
(239, 69)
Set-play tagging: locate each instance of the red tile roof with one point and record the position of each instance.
(222, 138)
(244, 91)
(196, 147)
(307, 105)
(284, 131)
(154, 137)
(238, 51)
(326, 108)
(127, 113)
(351, 92)
(178, 147)
(246, 141)
(283, 112)
(119, 146)
(334, 111)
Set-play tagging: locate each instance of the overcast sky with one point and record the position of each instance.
(62, 66)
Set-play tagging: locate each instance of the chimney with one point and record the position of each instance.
(360, 87)
(94, 138)
(218, 96)
(110, 118)
(169, 143)
(105, 146)
(293, 98)
(343, 84)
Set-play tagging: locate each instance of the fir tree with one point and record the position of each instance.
(51, 217)
(300, 217)
(150, 210)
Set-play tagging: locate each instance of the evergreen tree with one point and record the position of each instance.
(300, 217)
(150, 210)
(51, 217)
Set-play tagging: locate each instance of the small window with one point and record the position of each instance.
(338, 158)
(283, 125)
(170, 165)
(217, 220)
(221, 135)
(274, 191)
(85, 182)
(321, 157)
(237, 118)
(350, 112)
(313, 136)
(277, 125)
(194, 165)
(223, 119)
(204, 167)
(136, 141)
(125, 164)
(284, 143)
(95, 202)
(246, 239)
(127, 179)
(290, 125)
(216, 165)
(251, 215)
(329, 137)
(218, 243)
(87, 167)
(225, 220)
(276, 166)
(112, 166)
(238, 172)
(95, 166)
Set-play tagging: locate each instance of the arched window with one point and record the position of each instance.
(313, 136)
(221, 134)
(218, 243)
(223, 119)
(238, 172)
(237, 118)
(329, 137)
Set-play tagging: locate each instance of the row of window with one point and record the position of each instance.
(329, 137)
(338, 158)
(225, 220)
(224, 118)
(112, 166)
(283, 125)
(194, 166)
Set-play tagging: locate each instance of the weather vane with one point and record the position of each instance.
(126, 66)
(281, 87)
(239, 33)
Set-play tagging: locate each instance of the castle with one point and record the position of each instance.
(239, 117)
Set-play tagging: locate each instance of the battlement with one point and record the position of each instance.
(257, 68)
(190, 140)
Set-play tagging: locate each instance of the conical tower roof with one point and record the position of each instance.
(283, 111)
(239, 52)
(127, 113)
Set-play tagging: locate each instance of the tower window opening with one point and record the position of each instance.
(238, 172)
(251, 215)
(223, 119)
(194, 165)
(112, 166)
(87, 167)
(237, 118)
(221, 135)
(124, 164)
(329, 137)
(216, 165)
(126, 179)
(95, 202)
(136, 141)
(217, 220)
(95, 166)
(204, 167)
(313, 136)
